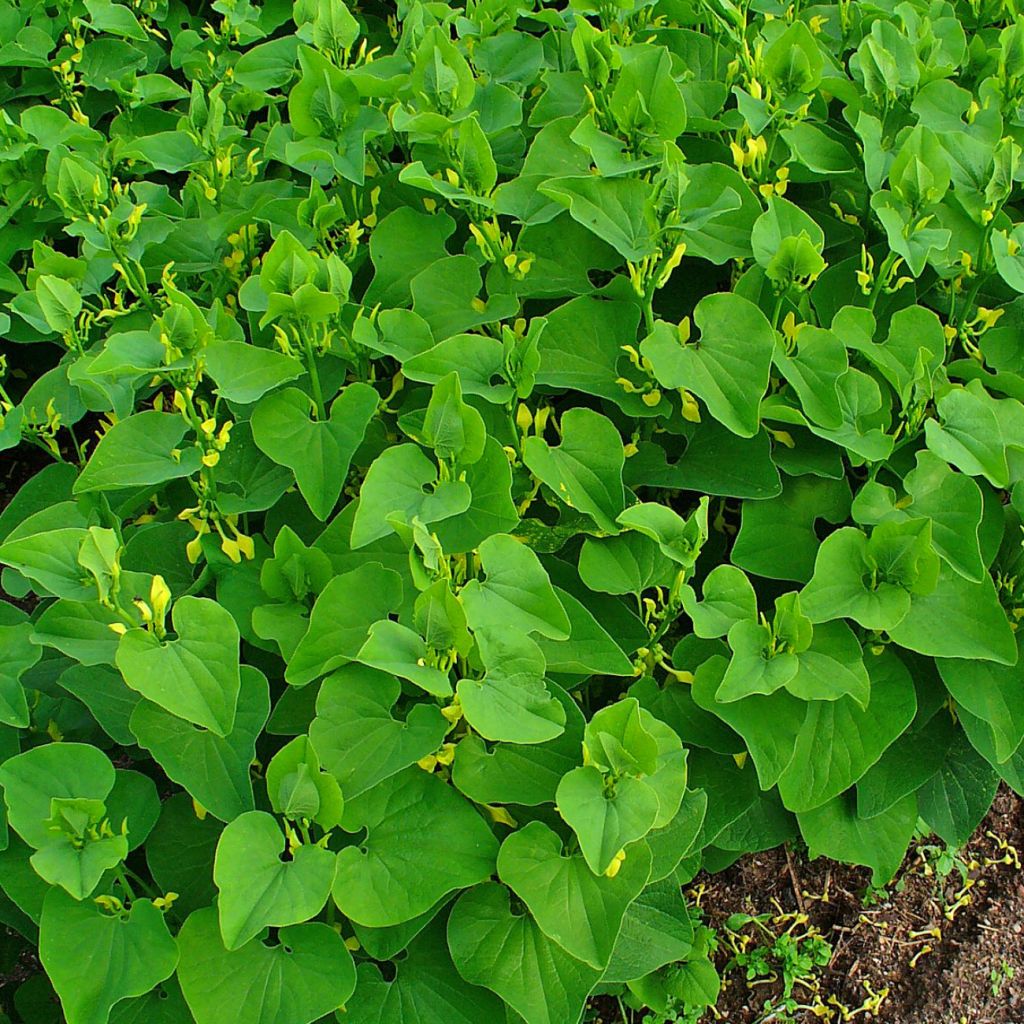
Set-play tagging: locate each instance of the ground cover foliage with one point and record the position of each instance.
(494, 461)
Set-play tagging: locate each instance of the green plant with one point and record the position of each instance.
(780, 947)
(999, 976)
(490, 460)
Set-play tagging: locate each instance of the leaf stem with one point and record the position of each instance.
(314, 376)
(978, 276)
(779, 299)
(119, 873)
(883, 273)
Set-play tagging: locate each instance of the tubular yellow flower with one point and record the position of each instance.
(159, 597)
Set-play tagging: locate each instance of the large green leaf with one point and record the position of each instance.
(510, 702)
(727, 366)
(214, 769)
(357, 735)
(982, 629)
(194, 676)
(426, 989)
(244, 373)
(402, 482)
(510, 955)
(308, 973)
(516, 592)
(341, 619)
(318, 452)
(615, 209)
(138, 452)
(95, 959)
(605, 821)
(581, 911)
(656, 930)
(991, 692)
(585, 470)
(777, 537)
(406, 864)
(835, 830)
(17, 655)
(258, 889)
(65, 771)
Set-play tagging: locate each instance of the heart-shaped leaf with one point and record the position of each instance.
(404, 866)
(581, 911)
(263, 882)
(318, 452)
(194, 676)
(306, 975)
(95, 958)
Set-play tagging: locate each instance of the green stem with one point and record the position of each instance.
(880, 279)
(649, 309)
(77, 447)
(780, 298)
(137, 284)
(314, 376)
(119, 874)
(517, 441)
(140, 881)
(978, 275)
(33, 439)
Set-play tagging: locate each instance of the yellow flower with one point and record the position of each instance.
(613, 869)
(988, 317)
(691, 410)
(159, 596)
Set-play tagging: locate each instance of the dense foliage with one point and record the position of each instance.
(490, 462)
